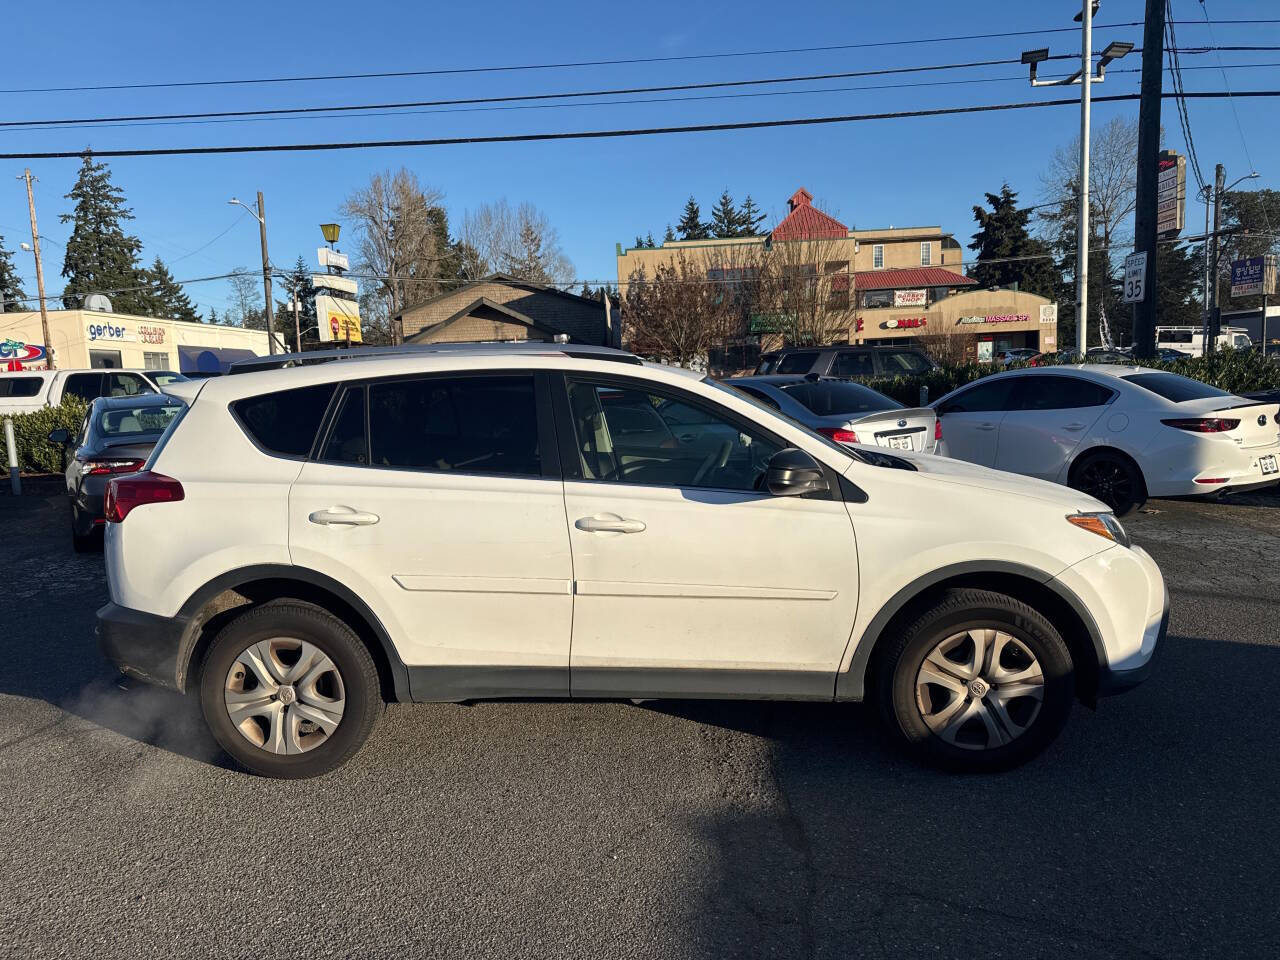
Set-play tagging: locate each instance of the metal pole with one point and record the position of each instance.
(297, 325)
(1145, 211)
(1219, 183)
(15, 482)
(35, 246)
(266, 275)
(1082, 245)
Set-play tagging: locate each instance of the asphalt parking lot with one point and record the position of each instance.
(670, 829)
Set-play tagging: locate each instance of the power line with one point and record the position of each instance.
(1184, 116)
(594, 134)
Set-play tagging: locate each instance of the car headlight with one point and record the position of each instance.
(1103, 524)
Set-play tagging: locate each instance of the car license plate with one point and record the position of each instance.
(896, 443)
(1268, 464)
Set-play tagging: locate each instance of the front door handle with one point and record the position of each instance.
(985, 426)
(608, 523)
(343, 516)
(1074, 426)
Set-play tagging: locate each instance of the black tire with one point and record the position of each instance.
(84, 542)
(956, 611)
(301, 621)
(1111, 478)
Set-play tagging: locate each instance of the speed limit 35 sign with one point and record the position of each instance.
(1135, 277)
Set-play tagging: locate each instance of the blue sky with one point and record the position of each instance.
(597, 193)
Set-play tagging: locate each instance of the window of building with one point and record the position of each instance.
(877, 298)
(926, 253)
(104, 358)
(877, 256)
(462, 424)
(285, 422)
(155, 361)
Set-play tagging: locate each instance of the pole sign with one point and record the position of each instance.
(1253, 277)
(1135, 277)
(332, 258)
(1171, 192)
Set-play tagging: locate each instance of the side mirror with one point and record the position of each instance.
(60, 436)
(793, 473)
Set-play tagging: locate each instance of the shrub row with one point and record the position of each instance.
(31, 434)
(1236, 371)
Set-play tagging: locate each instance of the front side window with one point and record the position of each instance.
(285, 422)
(1059, 393)
(456, 424)
(126, 385)
(622, 438)
(800, 361)
(877, 256)
(897, 362)
(86, 386)
(984, 398)
(853, 363)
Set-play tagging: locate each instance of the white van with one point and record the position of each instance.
(1190, 340)
(28, 390)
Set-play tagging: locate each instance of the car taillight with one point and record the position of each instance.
(839, 434)
(1203, 424)
(937, 430)
(126, 493)
(97, 468)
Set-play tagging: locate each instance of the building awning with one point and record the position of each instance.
(209, 359)
(910, 278)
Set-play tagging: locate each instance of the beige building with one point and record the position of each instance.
(892, 285)
(91, 338)
(502, 308)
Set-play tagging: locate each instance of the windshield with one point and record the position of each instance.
(137, 421)
(776, 414)
(163, 378)
(830, 398)
(1173, 387)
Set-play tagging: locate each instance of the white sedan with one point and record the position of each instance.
(1117, 433)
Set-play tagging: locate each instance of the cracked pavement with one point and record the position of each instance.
(665, 829)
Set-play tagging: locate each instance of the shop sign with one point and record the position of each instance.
(150, 334)
(337, 320)
(910, 298)
(1049, 313)
(108, 331)
(999, 318)
(1254, 276)
(905, 322)
(1171, 192)
(15, 354)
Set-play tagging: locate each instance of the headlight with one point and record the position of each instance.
(1103, 524)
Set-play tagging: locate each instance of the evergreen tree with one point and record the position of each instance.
(587, 291)
(101, 257)
(750, 218)
(726, 221)
(1007, 253)
(648, 240)
(300, 280)
(1179, 277)
(691, 225)
(11, 293)
(213, 315)
(166, 297)
(669, 236)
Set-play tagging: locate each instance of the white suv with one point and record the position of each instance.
(458, 524)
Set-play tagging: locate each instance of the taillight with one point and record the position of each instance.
(98, 468)
(937, 430)
(839, 434)
(126, 493)
(1203, 424)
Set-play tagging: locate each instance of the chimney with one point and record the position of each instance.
(801, 198)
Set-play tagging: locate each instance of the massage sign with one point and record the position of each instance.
(998, 318)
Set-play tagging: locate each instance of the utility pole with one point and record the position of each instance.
(1215, 318)
(1082, 245)
(266, 274)
(35, 246)
(297, 324)
(1145, 212)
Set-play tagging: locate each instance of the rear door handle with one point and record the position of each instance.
(343, 516)
(1074, 426)
(609, 523)
(985, 426)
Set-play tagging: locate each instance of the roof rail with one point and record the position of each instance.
(307, 357)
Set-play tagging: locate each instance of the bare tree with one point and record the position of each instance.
(677, 315)
(806, 288)
(402, 237)
(517, 240)
(948, 349)
(246, 299)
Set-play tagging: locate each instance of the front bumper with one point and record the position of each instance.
(1112, 680)
(142, 645)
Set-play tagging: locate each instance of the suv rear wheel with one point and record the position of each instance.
(979, 681)
(289, 691)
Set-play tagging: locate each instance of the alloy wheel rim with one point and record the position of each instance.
(1107, 481)
(980, 689)
(284, 695)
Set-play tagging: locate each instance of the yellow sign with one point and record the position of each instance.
(338, 320)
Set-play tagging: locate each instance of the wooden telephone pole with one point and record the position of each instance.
(35, 247)
(1145, 212)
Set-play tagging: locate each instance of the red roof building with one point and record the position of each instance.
(910, 278)
(807, 222)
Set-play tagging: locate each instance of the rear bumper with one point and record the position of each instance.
(141, 644)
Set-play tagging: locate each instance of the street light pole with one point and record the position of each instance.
(1082, 244)
(260, 214)
(1212, 316)
(35, 247)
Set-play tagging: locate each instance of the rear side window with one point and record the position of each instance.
(347, 441)
(86, 386)
(19, 386)
(1058, 393)
(1173, 387)
(798, 362)
(990, 396)
(826, 398)
(902, 361)
(463, 424)
(285, 422)
(853, 363)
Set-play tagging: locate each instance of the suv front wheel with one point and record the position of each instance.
(979, 681)
(289, 691)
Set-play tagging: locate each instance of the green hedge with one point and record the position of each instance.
(31, 433)
(1236, 371)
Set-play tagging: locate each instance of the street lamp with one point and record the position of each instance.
(1212, 194)
(260, 214)
(1085, 77)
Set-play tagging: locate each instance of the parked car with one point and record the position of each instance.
(849, 363)
(1168, 354)
(29, 390)
(1120, 434)
(116, 437)
(1016, 355)
(847, 412)
(1108, 355)
(396, 528)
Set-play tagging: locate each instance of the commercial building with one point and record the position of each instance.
(502, 308)
(91, 338)
(886, 286)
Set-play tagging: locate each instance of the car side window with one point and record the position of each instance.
(126, 385)
(903, 362)
(1055, 392)
(854, 363)
(456, 424)
(800, 361)
(86, 386)
(348, 440)
(285, 422)
(621, 438)
(19, 386)
(983, 398)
